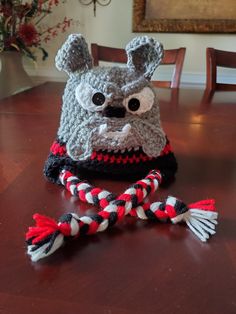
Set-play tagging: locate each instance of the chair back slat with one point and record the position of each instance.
(225, 59)
(108, 54)
(218, 58)
(118, 55)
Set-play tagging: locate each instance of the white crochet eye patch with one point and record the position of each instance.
(89, 98)
(141, 102)
(94, 100)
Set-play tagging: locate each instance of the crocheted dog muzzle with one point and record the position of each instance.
(110, 124)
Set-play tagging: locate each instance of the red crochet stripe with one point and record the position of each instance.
(119, 159)
(108, 158)
(166, 150)
(57, 149)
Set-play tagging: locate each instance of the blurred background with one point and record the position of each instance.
(112, 26)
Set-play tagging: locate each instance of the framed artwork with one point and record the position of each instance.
(184, 16)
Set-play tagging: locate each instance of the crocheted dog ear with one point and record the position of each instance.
(73, 55)
(144, 55)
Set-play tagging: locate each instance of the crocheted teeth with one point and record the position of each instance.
(115, 134)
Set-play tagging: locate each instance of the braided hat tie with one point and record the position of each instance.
(48, 235)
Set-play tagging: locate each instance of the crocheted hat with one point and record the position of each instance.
(110, 125)
(110, 122)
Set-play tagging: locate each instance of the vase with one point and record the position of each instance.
(13, 78)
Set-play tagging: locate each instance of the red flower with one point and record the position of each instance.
(28, 34)
(6, 10)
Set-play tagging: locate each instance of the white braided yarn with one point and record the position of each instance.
(40, 252)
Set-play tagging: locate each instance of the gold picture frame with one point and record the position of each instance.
(148, 22)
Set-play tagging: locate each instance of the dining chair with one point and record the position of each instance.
(218, 58)
(117, 55)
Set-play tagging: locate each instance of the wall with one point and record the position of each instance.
(112, 26)
(46, 70)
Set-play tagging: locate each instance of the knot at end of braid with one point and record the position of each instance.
(47, 235)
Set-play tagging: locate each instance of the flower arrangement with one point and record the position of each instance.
(21, 27)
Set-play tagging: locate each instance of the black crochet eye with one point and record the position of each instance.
(141, 102)
(133, 104)
(98, 99)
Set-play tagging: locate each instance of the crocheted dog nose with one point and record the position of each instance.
(114, 112)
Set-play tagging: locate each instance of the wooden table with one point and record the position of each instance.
(136, 266)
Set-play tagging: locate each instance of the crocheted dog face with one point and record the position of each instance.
(112, 109)
(110, 115)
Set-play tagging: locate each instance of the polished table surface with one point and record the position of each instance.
(136, 266)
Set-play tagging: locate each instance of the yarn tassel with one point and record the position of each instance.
(47, 235)
(200, 217)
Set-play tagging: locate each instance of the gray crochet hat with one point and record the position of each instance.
(110, 121)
